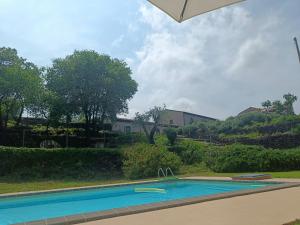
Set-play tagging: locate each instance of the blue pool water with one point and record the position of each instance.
(51, 205)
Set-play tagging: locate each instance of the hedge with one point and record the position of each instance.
(36, 162)
(276, 141)
(244, 158)
(190, 152)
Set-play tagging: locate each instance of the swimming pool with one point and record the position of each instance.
(43, 206)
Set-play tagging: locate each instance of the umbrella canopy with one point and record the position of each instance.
(182, 10)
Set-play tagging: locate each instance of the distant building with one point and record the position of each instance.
(180, 118)
(250, 109)
(126, 126)
(169, 118)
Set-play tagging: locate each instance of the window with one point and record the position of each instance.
(127, 129)
(171, 122)
(191, 120)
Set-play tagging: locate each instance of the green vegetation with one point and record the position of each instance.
(94, 86)
(171, 134)
(20, 83)
(283, 108)
(143, 160)
(237, 157)
(202, 170)
(243, 158)
(59, 163)
(152, 115)
(84, 87)
(276, 121)
(24, 169)
(8, 185)
(190, 152)
(270, 130)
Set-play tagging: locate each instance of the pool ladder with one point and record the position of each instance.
(164, 174)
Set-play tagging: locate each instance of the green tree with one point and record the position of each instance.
(171, 134)
(288, 103)
(267, 105)
(149, 121)
(286, 107)
(20, 81)
(278, 107)
(91, 84)
(48, 106)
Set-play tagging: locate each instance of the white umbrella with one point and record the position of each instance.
(182, 10)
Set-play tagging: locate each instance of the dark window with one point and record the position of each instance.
(171, 122)
(127, 129)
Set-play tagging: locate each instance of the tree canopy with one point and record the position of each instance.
(94, 85)
(152, 118)
(20, 81)
(284, 108)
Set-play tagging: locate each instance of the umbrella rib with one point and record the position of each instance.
(183, 10)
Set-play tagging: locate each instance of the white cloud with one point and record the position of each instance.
(216, 64)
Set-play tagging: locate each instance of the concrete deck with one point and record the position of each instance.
(268, 208)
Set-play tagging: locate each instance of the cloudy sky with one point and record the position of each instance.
(216, 64)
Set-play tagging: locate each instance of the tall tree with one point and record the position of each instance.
(92, 84)
(267, 105)
(290, 99)
(20, 82)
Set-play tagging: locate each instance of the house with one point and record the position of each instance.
(169, 118)
(129, 126)
(181, 118)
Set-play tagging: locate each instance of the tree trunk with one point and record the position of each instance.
(87, 129)
(151, 135)
(1, 119)
(68, 119)
(145, 131)
(47, 129)
(18, 121)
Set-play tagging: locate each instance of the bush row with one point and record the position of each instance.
(244, 158)
(237, 157)
(36, 162)
(190, 152)
(278, 141)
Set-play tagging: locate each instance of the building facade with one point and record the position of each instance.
(180, 118)
(169, 118)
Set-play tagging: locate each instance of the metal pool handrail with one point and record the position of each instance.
(171, 172)
(160, 170)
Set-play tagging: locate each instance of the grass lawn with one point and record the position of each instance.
(8, 185)
(201, 170)
(11, 186)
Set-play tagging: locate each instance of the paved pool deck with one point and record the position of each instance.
(268, 208)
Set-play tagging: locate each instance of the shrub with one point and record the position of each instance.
(161, 140)
(130, 138)
(171, 135)
(296, 130)
(45, 163)
(190, 152)
(143, 160)
(244, 158)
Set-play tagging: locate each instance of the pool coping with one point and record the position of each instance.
(93, 216)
